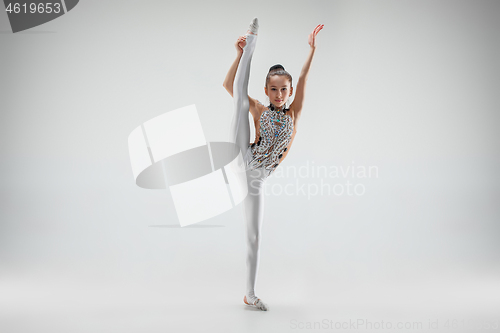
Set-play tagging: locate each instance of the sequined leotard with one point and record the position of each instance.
(276, 129)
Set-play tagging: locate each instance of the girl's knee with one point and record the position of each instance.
(254, 239)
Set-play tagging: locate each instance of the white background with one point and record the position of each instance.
(410, 87)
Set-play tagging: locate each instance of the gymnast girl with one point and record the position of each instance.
(275, 129)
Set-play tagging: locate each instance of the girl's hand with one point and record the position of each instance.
(312, 35)
(240, 43)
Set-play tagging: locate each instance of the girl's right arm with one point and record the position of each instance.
(229, 80)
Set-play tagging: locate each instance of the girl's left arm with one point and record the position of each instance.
(300, 89)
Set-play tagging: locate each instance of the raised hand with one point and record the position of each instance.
(312, 36)
(241, 42)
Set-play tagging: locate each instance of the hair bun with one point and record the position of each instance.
(276, 67)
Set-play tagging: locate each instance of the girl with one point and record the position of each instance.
(275, 129)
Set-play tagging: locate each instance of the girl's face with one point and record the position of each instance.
(278, 90)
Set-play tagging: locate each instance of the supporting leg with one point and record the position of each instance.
(254, 214)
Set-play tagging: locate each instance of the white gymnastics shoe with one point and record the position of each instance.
(258, 304)
(254, 26)
(261, 305)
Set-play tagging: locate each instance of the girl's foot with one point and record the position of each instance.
(254, 27)
(261, 305)
(258, 304)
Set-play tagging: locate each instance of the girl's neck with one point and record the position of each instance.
(275, 108)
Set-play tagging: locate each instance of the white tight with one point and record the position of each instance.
(240, 127)
(240, 135)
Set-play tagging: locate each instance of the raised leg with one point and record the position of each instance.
(240, 125)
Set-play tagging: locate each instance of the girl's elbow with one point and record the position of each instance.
(230, 91)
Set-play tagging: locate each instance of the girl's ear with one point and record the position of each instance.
(265, 90)
(291, 91)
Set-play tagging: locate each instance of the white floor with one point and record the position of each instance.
(204, 304)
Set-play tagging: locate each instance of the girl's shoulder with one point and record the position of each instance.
(261, 105)
(262, 108)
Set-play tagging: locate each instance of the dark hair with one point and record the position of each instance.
(278, 70)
